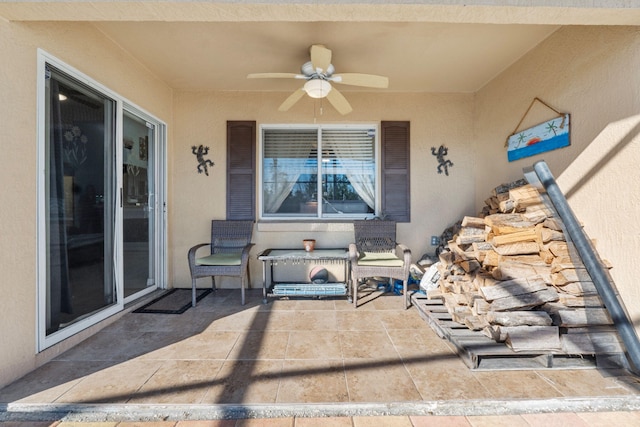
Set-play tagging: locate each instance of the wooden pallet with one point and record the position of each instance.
(482, 353)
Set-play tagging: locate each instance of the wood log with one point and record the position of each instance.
(519, 318)
(480, 306)
(504, 188)
(446, 257)
(581, 301)
(480, 250)
(507, 223)
(507, 206)
(558, 249)
(580, 317)
(534, 260)
(474, 222)
(578, 289)
(460, 313)
(494, 332)
(527, 235)
(513, 287)
(547, 235)
(524, 196)
(537, 213)
(570, 275)
(470, 265)
(532, 338)
(585, 342)
(525, 300)
(491, 259)
(554, 223)
(475, 323)
(520, 248)
(508, 271)
(469, 235)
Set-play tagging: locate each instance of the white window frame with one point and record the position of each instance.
(42, 340)
(323, 216)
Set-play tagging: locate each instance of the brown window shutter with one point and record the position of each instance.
(241, 166)
(396, 197)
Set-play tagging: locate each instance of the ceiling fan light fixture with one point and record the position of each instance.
(317, 88)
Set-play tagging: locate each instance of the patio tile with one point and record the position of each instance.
(324, 422)
(589, 382)
(388, 421)
(268, 422)
(313, 381)
(419, 344)
(367, 345)
(379, 381)
(498, 421)
(555, 420)
(516, 385)
(115, 384)
(446, 379)
(401, 319)
(358, 320)
(246, 382)
(606, 419)
(254, 345)
(440, 421)
(179, 381)
(315, 320)
(236, 321)
(49, 382)
(314, 345)
(204, 423)
(207, 345)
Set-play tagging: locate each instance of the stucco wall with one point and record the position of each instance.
(592, 73)
(107, 64)
(436, 199)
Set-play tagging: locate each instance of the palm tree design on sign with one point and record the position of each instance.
(551, 127)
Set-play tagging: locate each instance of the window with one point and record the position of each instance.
(319, 172)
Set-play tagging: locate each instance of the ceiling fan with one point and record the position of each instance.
(319, 74)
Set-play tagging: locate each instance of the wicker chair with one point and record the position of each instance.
(229, 255)
(376, 253)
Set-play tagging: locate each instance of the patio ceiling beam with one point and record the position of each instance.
(557, 12)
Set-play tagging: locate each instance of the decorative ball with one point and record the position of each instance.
(319, 275)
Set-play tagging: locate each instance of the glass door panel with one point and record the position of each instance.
(79, 202)
(138, 216)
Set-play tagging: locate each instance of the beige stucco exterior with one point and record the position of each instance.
(588, 71)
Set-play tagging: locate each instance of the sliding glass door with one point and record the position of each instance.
(100, 227)
(138, 193)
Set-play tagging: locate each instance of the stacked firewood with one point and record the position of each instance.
(511, 273)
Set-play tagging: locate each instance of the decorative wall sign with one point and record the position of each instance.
(203, 163)
(443, 165)
(547, 136)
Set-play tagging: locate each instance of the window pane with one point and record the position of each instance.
(348, 171)
(290, 172)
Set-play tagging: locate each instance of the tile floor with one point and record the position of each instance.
(296, 351)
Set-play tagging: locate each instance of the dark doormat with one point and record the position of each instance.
(176, 301)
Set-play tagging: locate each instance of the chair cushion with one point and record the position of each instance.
(380, 259)
(220, 259)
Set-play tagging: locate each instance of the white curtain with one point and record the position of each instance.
(354, 150)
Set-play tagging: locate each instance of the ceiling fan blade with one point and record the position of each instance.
(292, 99)
(357, 79)
(275, 76)
(320, 57)
(339, 102)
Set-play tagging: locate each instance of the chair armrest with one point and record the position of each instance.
(192, 252)
(353, 253)
(404, 253)
(245, 251)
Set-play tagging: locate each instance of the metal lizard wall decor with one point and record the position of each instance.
(442, 163)
(203, 163)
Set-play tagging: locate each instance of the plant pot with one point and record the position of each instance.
(309, 244)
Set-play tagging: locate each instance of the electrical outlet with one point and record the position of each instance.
(435, 240)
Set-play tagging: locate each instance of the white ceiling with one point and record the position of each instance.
(416, 56)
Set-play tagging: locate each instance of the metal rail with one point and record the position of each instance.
(593, 264)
